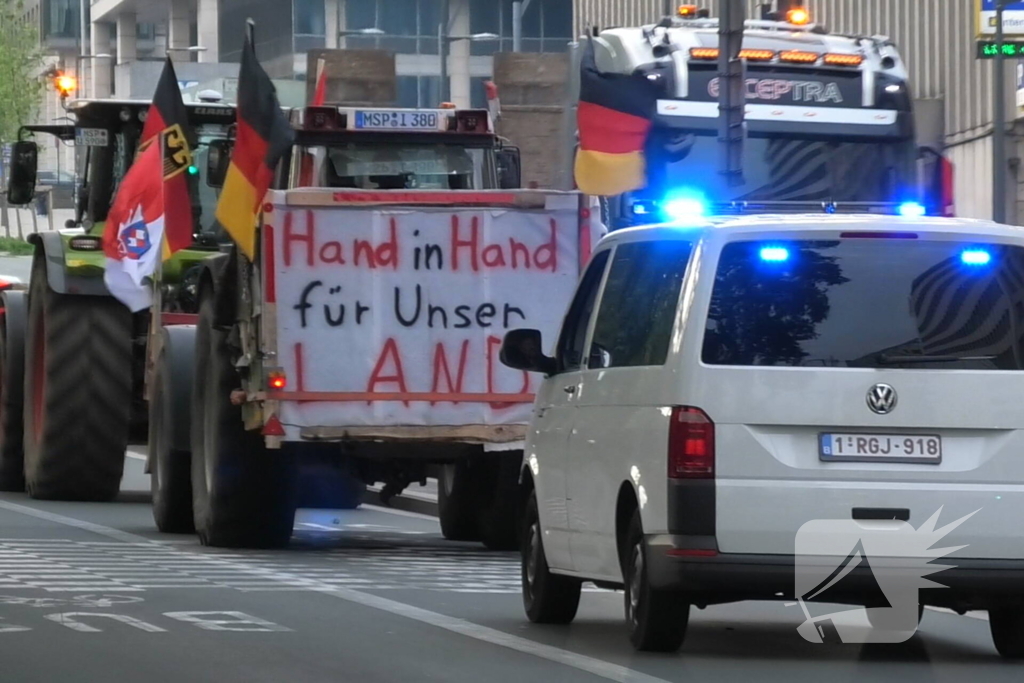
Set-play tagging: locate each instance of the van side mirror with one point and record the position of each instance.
(217, 161)
(21, 175)
(510, 170)
(522, 350)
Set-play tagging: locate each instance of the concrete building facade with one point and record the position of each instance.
(953, 88)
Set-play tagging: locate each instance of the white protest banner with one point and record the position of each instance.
(396, 317)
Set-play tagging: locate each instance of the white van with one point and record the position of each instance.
(738, 405)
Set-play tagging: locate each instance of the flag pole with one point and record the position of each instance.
(250, 31)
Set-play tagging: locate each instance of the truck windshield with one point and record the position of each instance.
(790, 169)
(373, 166)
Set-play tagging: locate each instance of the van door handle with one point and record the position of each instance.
(571, 389)
(881, 514)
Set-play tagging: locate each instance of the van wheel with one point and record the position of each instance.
(243, 494)
(548, 598)
(1007, 626)
(456, 503)
(656, 619)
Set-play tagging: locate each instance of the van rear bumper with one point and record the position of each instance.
(691, 564)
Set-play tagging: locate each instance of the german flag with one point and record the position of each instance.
(167, 124)
(614, 117)
(264, 135)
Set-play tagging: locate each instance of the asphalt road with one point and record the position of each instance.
(90, 592)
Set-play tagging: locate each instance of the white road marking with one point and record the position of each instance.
(400, 513)
(597, 667)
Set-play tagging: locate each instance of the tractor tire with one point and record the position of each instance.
(12, 390)
(170, 448)
(457, 502)
(78, 392)
(499, 486)
(327, 478)
(243, 494)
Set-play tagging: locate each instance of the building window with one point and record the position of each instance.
(418, 92)
(409, 26)
(547, 25)
(309, 18)
(60, 19)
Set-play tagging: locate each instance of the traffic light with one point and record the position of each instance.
(65, 84)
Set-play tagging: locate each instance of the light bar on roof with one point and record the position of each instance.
(837, 59)
(799, 57)
(753, 55)
(707, 53)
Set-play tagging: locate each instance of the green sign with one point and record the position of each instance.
(988, 49)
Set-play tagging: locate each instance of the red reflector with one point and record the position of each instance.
(691, 552)
(691, 444)
(273, 427)
(879, 235)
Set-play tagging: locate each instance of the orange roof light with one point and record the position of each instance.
(836, 59)
(798, 16)
(799, 57)
(752, 55)
(704, 53)
(65, 84)
(687, 11)
(447, 105)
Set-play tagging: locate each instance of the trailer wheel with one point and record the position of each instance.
(169, 444)
(457, 506)
(499, 486)
(78, 392)
(243, 494)
(12, 387)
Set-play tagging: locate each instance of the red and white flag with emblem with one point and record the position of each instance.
(134, 234)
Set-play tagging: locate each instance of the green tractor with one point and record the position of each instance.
(72, 358)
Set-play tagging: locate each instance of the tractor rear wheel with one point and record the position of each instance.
(243, 494)
(170, 454)
(78, 392)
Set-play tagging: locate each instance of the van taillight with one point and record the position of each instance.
(691, 444)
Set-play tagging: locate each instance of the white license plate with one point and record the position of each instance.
(923, 448)
(92, 137)
(396, 120)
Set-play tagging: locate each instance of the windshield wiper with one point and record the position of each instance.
(899, 359)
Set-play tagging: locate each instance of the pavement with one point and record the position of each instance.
(91, 592)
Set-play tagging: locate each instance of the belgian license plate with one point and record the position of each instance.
(396, 120)
(917, 448)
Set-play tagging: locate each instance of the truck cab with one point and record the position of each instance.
(829, 118)
(398, 149)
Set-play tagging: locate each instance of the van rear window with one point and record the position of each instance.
(868, 303)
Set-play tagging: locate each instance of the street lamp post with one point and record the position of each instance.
(999, 123)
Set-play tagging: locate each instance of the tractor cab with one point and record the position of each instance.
(106, 136)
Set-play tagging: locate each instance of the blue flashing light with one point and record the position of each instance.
(975, 257)
(774, 254)
(684, 207)
(911, 209)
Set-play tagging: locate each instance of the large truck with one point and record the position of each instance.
(829, 119)
(366, 331)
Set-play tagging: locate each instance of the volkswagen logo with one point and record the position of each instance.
(882, 399)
